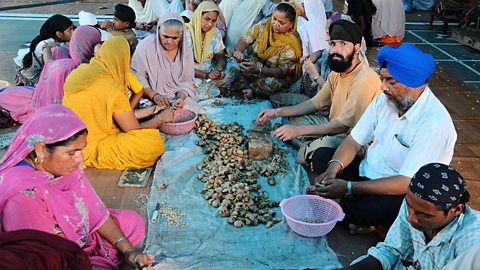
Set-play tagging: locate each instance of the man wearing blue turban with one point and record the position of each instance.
(407, 127)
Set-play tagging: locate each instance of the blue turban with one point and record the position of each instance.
(407, 64)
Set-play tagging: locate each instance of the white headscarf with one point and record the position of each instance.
(239, 17)
(313, 31)
(152, 10)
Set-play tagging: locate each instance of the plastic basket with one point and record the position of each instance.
(287, 99)
(300, 212)
(183, 121)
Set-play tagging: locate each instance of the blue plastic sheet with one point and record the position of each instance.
(207, 241)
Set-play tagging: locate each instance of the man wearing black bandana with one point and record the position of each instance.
(434, 225)
(349, 89)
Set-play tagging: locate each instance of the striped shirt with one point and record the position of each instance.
(405, 243)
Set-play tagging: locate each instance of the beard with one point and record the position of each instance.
(402, 104)
(340, 65)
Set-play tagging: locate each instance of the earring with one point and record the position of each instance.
(37, 161)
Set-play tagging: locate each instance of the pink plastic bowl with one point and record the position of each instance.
(299, 208)
(183, 121)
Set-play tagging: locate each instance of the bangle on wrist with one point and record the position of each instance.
(349, 189)
(316, 77)
(337, 161)
(120, 239)
(153, 97)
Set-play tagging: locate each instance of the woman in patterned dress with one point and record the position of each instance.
(277, 49)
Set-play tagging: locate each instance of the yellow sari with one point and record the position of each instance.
(271, 44)
(201, 48)
(98, 90)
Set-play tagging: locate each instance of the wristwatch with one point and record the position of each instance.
(349, 189)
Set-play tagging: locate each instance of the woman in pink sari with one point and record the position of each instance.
(21, 102)
(43, 187)
(163, 63)
(49, 89)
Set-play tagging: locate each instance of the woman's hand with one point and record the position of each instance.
(249, 68)
(179, 104)
(310, 68)
(238, 56)
(214, 75)
(139, 260)
(165, 116)
(161, 100)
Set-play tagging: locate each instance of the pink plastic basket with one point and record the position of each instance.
(298, 210)
(183, 121)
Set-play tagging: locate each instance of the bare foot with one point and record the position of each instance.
(247, 93)
(353, 229)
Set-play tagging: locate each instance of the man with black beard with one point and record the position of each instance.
(349, 89)
(409, 127)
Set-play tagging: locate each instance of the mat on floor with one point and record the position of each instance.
(197, 238)
(6, 139)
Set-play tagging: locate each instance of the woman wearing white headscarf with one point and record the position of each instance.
(311, 24)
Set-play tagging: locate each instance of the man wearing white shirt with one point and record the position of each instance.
(409, 127)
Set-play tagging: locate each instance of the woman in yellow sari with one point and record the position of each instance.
(98, 93)
(277, 49)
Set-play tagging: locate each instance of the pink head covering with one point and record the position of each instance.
(72, 200)
(49, 89)
(49, 125)
(18, 101)
(164, 76)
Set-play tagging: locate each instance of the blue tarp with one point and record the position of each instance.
(208, 241)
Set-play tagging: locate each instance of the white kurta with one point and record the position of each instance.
(401, 145)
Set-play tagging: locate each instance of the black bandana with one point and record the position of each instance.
(346, 31)
(125, 13)
(439, 184)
